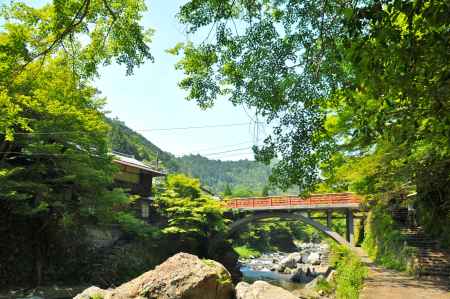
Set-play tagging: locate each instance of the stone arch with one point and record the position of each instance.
(236, 225)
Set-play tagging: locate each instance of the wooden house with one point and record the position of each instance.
(136, 177)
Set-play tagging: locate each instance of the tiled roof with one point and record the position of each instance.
(132, 162)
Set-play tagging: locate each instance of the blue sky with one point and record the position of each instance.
(151, 99)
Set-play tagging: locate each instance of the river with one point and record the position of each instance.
(290, 271)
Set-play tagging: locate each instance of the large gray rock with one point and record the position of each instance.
(321, 269)
(261, 290)
(313, 283)
(91, 293)
(314, 258)
(183, 276)
(302, 274)
(291, 260)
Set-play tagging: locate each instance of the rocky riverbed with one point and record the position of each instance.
(185, 276)
(289, 270)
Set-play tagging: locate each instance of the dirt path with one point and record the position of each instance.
(389, 284)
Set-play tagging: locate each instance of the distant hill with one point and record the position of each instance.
(243, 176)
(125, 140)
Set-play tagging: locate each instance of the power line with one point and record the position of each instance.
(230, 155)
(140, 130)
(229, 151)
(217, 147)
(62, 155)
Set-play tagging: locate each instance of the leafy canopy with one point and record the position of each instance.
(336, 76)
(55, 170)
(53, 139)
(190, 214)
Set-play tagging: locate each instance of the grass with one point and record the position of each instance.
(246, 252)
(324, 286)
(350, 272)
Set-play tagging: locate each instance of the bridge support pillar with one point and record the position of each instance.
(349, 226)
(329, 218)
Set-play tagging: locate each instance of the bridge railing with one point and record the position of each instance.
(315, 200)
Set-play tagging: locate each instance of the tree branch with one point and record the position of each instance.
(111, 12)
(80, 15)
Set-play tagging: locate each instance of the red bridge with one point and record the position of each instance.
(313, 202)
(331, 205)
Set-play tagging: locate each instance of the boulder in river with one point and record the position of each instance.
(92, 292)
(302, 274)
(313, 283)
(321, 269)
(288, 262)
(314, 258)
(183, 276)
(261, 290)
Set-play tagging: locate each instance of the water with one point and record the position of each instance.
(282, 280)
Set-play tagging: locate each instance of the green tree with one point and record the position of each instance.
(55, 170)
(339, 81)
(193, 218)
(227, 191)
(265, 191)
(243, 191)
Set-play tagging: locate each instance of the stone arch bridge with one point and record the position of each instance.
(298, 208)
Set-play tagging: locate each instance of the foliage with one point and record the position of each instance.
(216, 175)
(246, 252)
(130, 224)
(340, 82)
(384, 243)
(243, 177)
(55, 171)
(350, 272)
(124, 140)
(190, 215)
(121, 263)
(227, 191)
(278, 60)
(324, 286)
(278, 235)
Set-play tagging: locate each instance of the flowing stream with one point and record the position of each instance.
(291, 271)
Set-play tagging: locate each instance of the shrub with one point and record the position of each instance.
(384, 243)
(350, 272)
(324, 286)
(246, 252)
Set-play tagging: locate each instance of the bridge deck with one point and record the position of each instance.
(314, 202)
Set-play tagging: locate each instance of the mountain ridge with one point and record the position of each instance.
(243, 176)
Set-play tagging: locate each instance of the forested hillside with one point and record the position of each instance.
(242, 177)
(125, 140)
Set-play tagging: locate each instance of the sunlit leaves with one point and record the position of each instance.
(92, 32)
(189, 212)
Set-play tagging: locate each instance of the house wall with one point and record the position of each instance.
(137, 183)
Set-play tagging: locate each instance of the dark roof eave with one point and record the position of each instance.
(144, 168)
